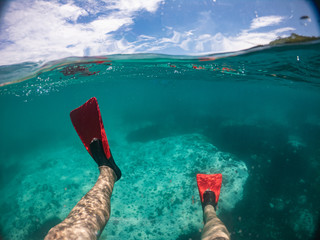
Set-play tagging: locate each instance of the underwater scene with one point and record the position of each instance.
(253, 116)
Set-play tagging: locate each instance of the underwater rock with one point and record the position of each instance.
(46, 191)
(159, 191)
(296, 142)
(277, 203)
(302, 223)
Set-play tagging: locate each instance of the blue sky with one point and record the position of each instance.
(40, 30)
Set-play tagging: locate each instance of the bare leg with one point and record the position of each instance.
(213, 228)
(89, 217)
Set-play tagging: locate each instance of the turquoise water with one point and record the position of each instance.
(252, 115)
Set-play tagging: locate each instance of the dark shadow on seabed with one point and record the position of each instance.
(41, 231)
(317, 233)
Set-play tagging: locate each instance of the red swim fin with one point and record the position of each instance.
(87, 121)
(210, 182)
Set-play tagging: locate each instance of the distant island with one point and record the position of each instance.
(293, 38)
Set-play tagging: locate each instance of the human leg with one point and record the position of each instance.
(213, 229)
(89, 217)
(209, 186)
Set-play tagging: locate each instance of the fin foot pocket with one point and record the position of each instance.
(99, 156)
(209, 198)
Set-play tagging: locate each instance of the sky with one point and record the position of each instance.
(44, 30)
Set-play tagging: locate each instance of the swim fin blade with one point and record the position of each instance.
(87, 121)
(211, 182)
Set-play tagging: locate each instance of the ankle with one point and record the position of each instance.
(107, 172)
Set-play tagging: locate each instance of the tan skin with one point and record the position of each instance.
(89, 217)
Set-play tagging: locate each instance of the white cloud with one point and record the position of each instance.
(205, 43)
(145, 38)
(174, 39)
(216, 43)
(244, 40)
(134, 5)
(265, 21)
(36, 30)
